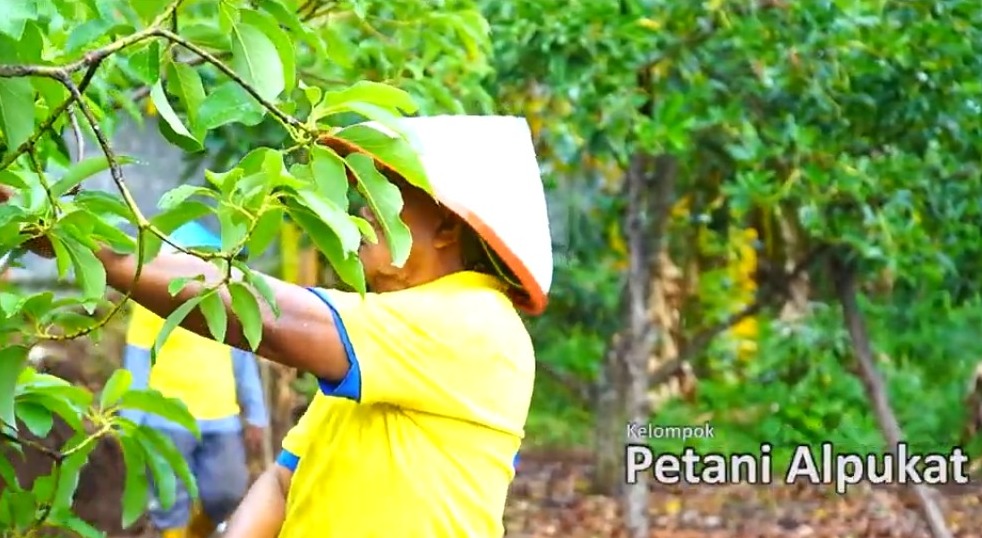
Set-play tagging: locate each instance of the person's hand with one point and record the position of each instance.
(38, 245)
(254, 438)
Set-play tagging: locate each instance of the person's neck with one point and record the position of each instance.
(420, 275)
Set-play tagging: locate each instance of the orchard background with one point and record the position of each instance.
(766, 215)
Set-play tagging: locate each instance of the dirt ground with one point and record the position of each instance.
(550, 498)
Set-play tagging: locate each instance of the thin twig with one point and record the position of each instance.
(77, 131)
(53, 454)
(116, 172)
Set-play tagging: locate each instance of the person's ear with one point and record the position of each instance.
(448, 231)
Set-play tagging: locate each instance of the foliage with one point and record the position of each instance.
(295, 73)
(845, 125)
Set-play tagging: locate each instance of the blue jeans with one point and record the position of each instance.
(218, 462)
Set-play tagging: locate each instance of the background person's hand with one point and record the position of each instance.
(254, 438)
(39, 245)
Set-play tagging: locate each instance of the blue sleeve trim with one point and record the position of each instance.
(249, 388)
(288, 460)
(514, 462)
(350, 386)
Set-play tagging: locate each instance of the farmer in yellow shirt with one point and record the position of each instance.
(224, 392)
(426, 381)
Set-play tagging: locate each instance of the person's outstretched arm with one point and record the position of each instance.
(303, 336)
(261, 513)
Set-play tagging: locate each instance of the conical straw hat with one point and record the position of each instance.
(484, 169)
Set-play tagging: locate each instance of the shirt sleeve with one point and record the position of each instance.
(424, 354)
(136, 360)
(248, 388)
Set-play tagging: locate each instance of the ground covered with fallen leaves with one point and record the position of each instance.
(550, 498)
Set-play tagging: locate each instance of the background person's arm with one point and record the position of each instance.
(262, 511)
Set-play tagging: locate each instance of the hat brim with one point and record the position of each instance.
(532, 299)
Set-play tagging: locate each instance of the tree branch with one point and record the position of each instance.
(116, 173)
(573, 385)
(768, 295)
(844, 275)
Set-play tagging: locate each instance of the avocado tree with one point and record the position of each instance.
(842, 133)
(206, 66)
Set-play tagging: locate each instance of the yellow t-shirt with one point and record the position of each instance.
(418, 440)
(207, 387)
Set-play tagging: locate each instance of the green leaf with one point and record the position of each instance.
(164, 479)
(171, 323)
(135, 486)
(230, 103)
(89, 271)
(367, 231)
(208, 36)
(70, 412)
(173, 198)
(246, 307)
(330, 175)
(340, 49)
(234, 227)
(348, 267)
(151, 401)
(176, 285)
(385, 200)
(266, 231)
(23, 507)
(63, 258)
(388, 98)
(335, 217)
(16, 110)
(172, 127)
(163, 446)
(169, 220)
(68, 475)
(36, 417)
(256, 60)
(87, 33)
(81, 527)
(145, 63)
(12, 361)
(395, 152)
(184, 82)
(284, 44)
(115, 387)
(83, 170)
(213, 309)
(14, 16)
(7, 474)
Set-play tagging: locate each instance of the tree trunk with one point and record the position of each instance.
(623, 390)
(845, 283)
